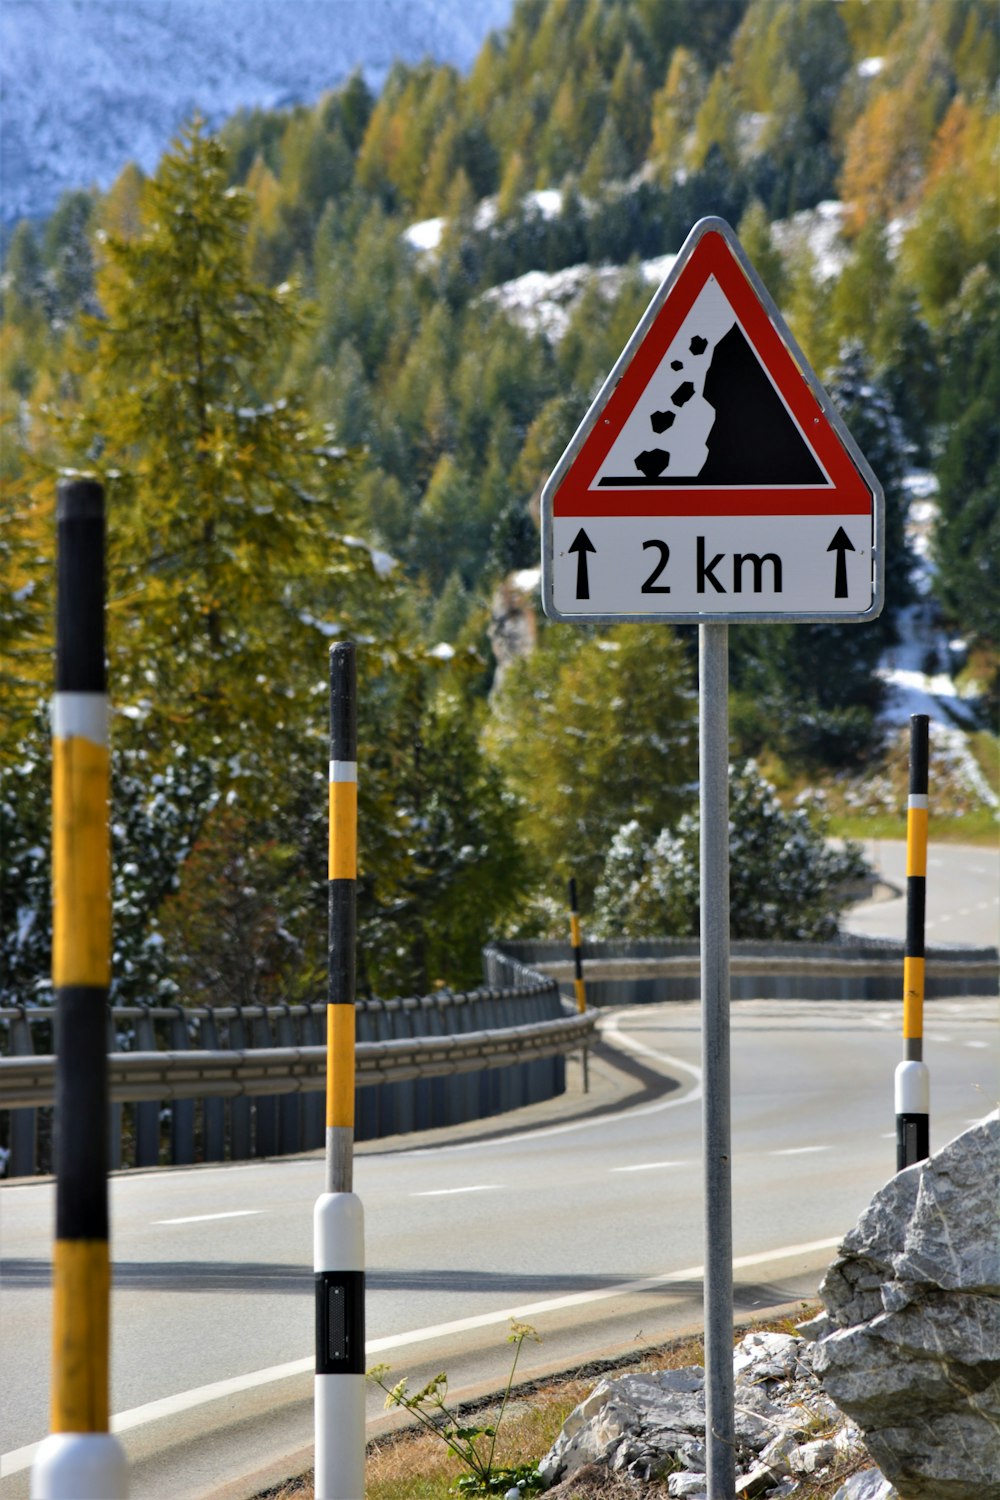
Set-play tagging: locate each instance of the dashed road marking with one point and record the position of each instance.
(235, 1213)
(481, 1187)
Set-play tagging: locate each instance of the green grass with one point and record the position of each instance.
(978, 827)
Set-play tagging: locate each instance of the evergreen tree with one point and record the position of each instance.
(223, 500)
(786, 880)
(967, 534)
(590, 732)
(440, 866)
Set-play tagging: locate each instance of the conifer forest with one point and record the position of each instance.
(323, 361)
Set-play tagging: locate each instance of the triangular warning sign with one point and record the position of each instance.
(711, 410)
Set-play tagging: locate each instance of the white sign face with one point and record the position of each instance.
(615, 566)
(711, 478)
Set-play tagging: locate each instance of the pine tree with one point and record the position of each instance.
(223, 500)
(592, 731)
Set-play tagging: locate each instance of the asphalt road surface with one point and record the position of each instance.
(963, 894)
(588, 1227)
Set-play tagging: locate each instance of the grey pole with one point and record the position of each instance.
(713, 741)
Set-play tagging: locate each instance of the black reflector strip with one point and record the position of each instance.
(340, 1322)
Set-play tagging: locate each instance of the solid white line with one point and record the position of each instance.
(486, 1187)
(650, 1166)
(235, 1213)
(22, 1458)
(798, 1150)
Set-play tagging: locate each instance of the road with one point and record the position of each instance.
(963, 894)
(590, 1228)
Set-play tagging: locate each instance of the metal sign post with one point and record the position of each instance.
(713, 753)
(713, 481)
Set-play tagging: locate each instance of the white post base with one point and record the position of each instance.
(79, 1466)
(339, 1246)
(340, 1437)
(912, 1088)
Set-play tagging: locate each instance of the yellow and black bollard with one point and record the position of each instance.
(912, 1082)
(338, 1219)
(80, 1460)
(579, 988)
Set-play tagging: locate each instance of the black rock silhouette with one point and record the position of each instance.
(753, 438)
(698, 344)
(653, 462)
(661, 420)
(683, 393)
(677, 364)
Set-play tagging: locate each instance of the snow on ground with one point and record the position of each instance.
(543, 301)
(818, 231)
(917, 671)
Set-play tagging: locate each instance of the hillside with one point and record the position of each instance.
(324, 362)
(87, 87)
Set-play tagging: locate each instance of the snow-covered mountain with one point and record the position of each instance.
(88, 85)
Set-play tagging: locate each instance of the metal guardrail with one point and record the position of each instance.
(423, 1061)
(26, 1082)
(630, 972)
(204, 1084)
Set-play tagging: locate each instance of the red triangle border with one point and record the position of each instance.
(848, 493)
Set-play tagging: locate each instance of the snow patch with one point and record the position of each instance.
(917, 672)
(817, 230)
(543, 301)
(425, 236)
(870, 67)
(382, 562)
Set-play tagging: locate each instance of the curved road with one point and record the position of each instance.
(963, 894)
(590, 1227)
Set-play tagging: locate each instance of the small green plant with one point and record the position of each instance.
(472, 1444)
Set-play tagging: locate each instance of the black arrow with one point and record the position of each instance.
(581, 546)
(841, 544)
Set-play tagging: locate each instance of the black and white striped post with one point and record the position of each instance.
(80, 1460)
(338, 1220)
(912, 1082)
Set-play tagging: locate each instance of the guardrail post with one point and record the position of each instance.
(239, 1109)
(213, 1110)
(289, 1105)
(313, 1102)
(146, 1112)
(181, 1110)
(338, 1219)
(23, 1122)
(80, 1460)
(912, 1081)
(265, 1142)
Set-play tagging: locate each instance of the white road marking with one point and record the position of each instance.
(236, 1213)
(977, 1044)
(486, 1187)
(798, 1150)
(650, 1166)
(22, 1458)
(543, 1132)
